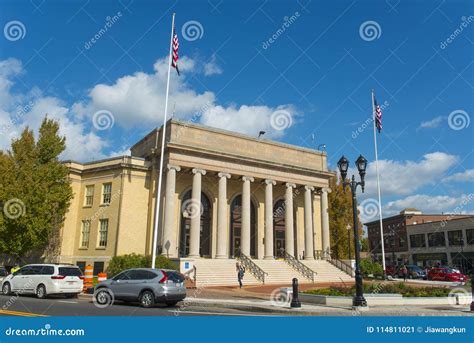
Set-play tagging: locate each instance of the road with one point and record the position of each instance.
(30, 306)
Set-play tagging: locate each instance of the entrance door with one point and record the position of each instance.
(280, 247)
(236, 244)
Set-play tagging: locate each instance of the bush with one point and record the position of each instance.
(120, 263)
(367, 267)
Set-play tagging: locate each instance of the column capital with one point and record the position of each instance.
(248, 178)
(326, 190)
(200, 171)
(173, 167)
(222, 174)
(269, 182)
(290, 185)
(309, 188)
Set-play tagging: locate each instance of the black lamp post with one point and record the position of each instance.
(349, 241)
(343, 165)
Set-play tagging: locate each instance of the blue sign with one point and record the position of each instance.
(186, 265)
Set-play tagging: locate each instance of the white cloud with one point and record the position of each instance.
(466, 176)
(211, 67)
(20, 110)
(431, 204)
(433, 123)
(406, 177)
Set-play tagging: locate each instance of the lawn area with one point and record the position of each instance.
(384, 288)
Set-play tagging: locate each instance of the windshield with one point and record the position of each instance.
(70, 271)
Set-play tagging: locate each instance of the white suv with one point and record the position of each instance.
(44, 280)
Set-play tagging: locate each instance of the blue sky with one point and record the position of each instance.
(310, 62)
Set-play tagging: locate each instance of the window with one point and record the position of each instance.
(106, 193)
(98, 267)
(47, 270)
(81, 265)
(418, 241)
(436, 239)
(89, 198)
(123, 276)
(141, 275)
(70, 271)
(470, 236)
(85, 233)
(103, 230)
(455, 237)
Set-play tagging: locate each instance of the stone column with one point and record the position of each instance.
(245, 230)
(169, 239)
(222, 227)
(268, 254)
(308, 224)
(195, 230)
(289, 225)
(325, 222)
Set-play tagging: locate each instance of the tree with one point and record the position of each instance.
(340, 220)
(35, 193)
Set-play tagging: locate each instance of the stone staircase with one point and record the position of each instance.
(326, 272)
(279, 272)
(220, 272)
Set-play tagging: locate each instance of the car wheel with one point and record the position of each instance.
(147, 299)
(171, 303)
(41, 292)
(6, 289)
(103, 297)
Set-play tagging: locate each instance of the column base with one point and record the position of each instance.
(193, 256)
(221, 257)
(309, 258)
(268, 258)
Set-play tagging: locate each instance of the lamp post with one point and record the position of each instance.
(462, 255)
(343, 165)
(349, 241)
(392, 243)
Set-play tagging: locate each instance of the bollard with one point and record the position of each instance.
(88, 276)
(101, 277)
(295, 302)
(472, 291)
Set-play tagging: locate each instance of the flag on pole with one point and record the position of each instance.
(174, 61)
(377, 115)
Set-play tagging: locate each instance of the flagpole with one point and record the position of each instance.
(378, 185)
(160, 171)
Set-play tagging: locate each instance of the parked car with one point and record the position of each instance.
(446, 274)
(391, 270)
(146, 285)
(44, 280)
(3, 273)
(414, 272)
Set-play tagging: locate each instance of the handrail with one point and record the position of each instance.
(247, 263)
(300, 267)
(342, 266)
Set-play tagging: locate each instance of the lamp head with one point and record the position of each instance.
(343, 166)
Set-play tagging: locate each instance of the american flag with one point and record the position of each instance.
(174, 61)
(377, 115)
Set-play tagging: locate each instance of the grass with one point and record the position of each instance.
(384, 288)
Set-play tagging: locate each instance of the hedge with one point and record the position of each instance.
(123, 262)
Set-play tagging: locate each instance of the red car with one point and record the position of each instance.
(446, 274)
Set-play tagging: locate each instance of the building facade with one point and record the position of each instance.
(223, 193)
(423, 239)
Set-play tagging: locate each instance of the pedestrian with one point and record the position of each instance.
(404, 272)
(240, 275)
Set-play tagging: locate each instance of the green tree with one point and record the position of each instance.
(35, 193)
(341, 221)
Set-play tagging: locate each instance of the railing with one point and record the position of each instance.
(342, 266)
(252, 267)
(299, 267)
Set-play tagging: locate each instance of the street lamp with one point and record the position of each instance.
(343, 165)
(349, 241)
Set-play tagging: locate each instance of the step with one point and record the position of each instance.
(220, 272)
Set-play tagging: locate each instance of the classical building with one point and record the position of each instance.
(424, 239)
(223, 194)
